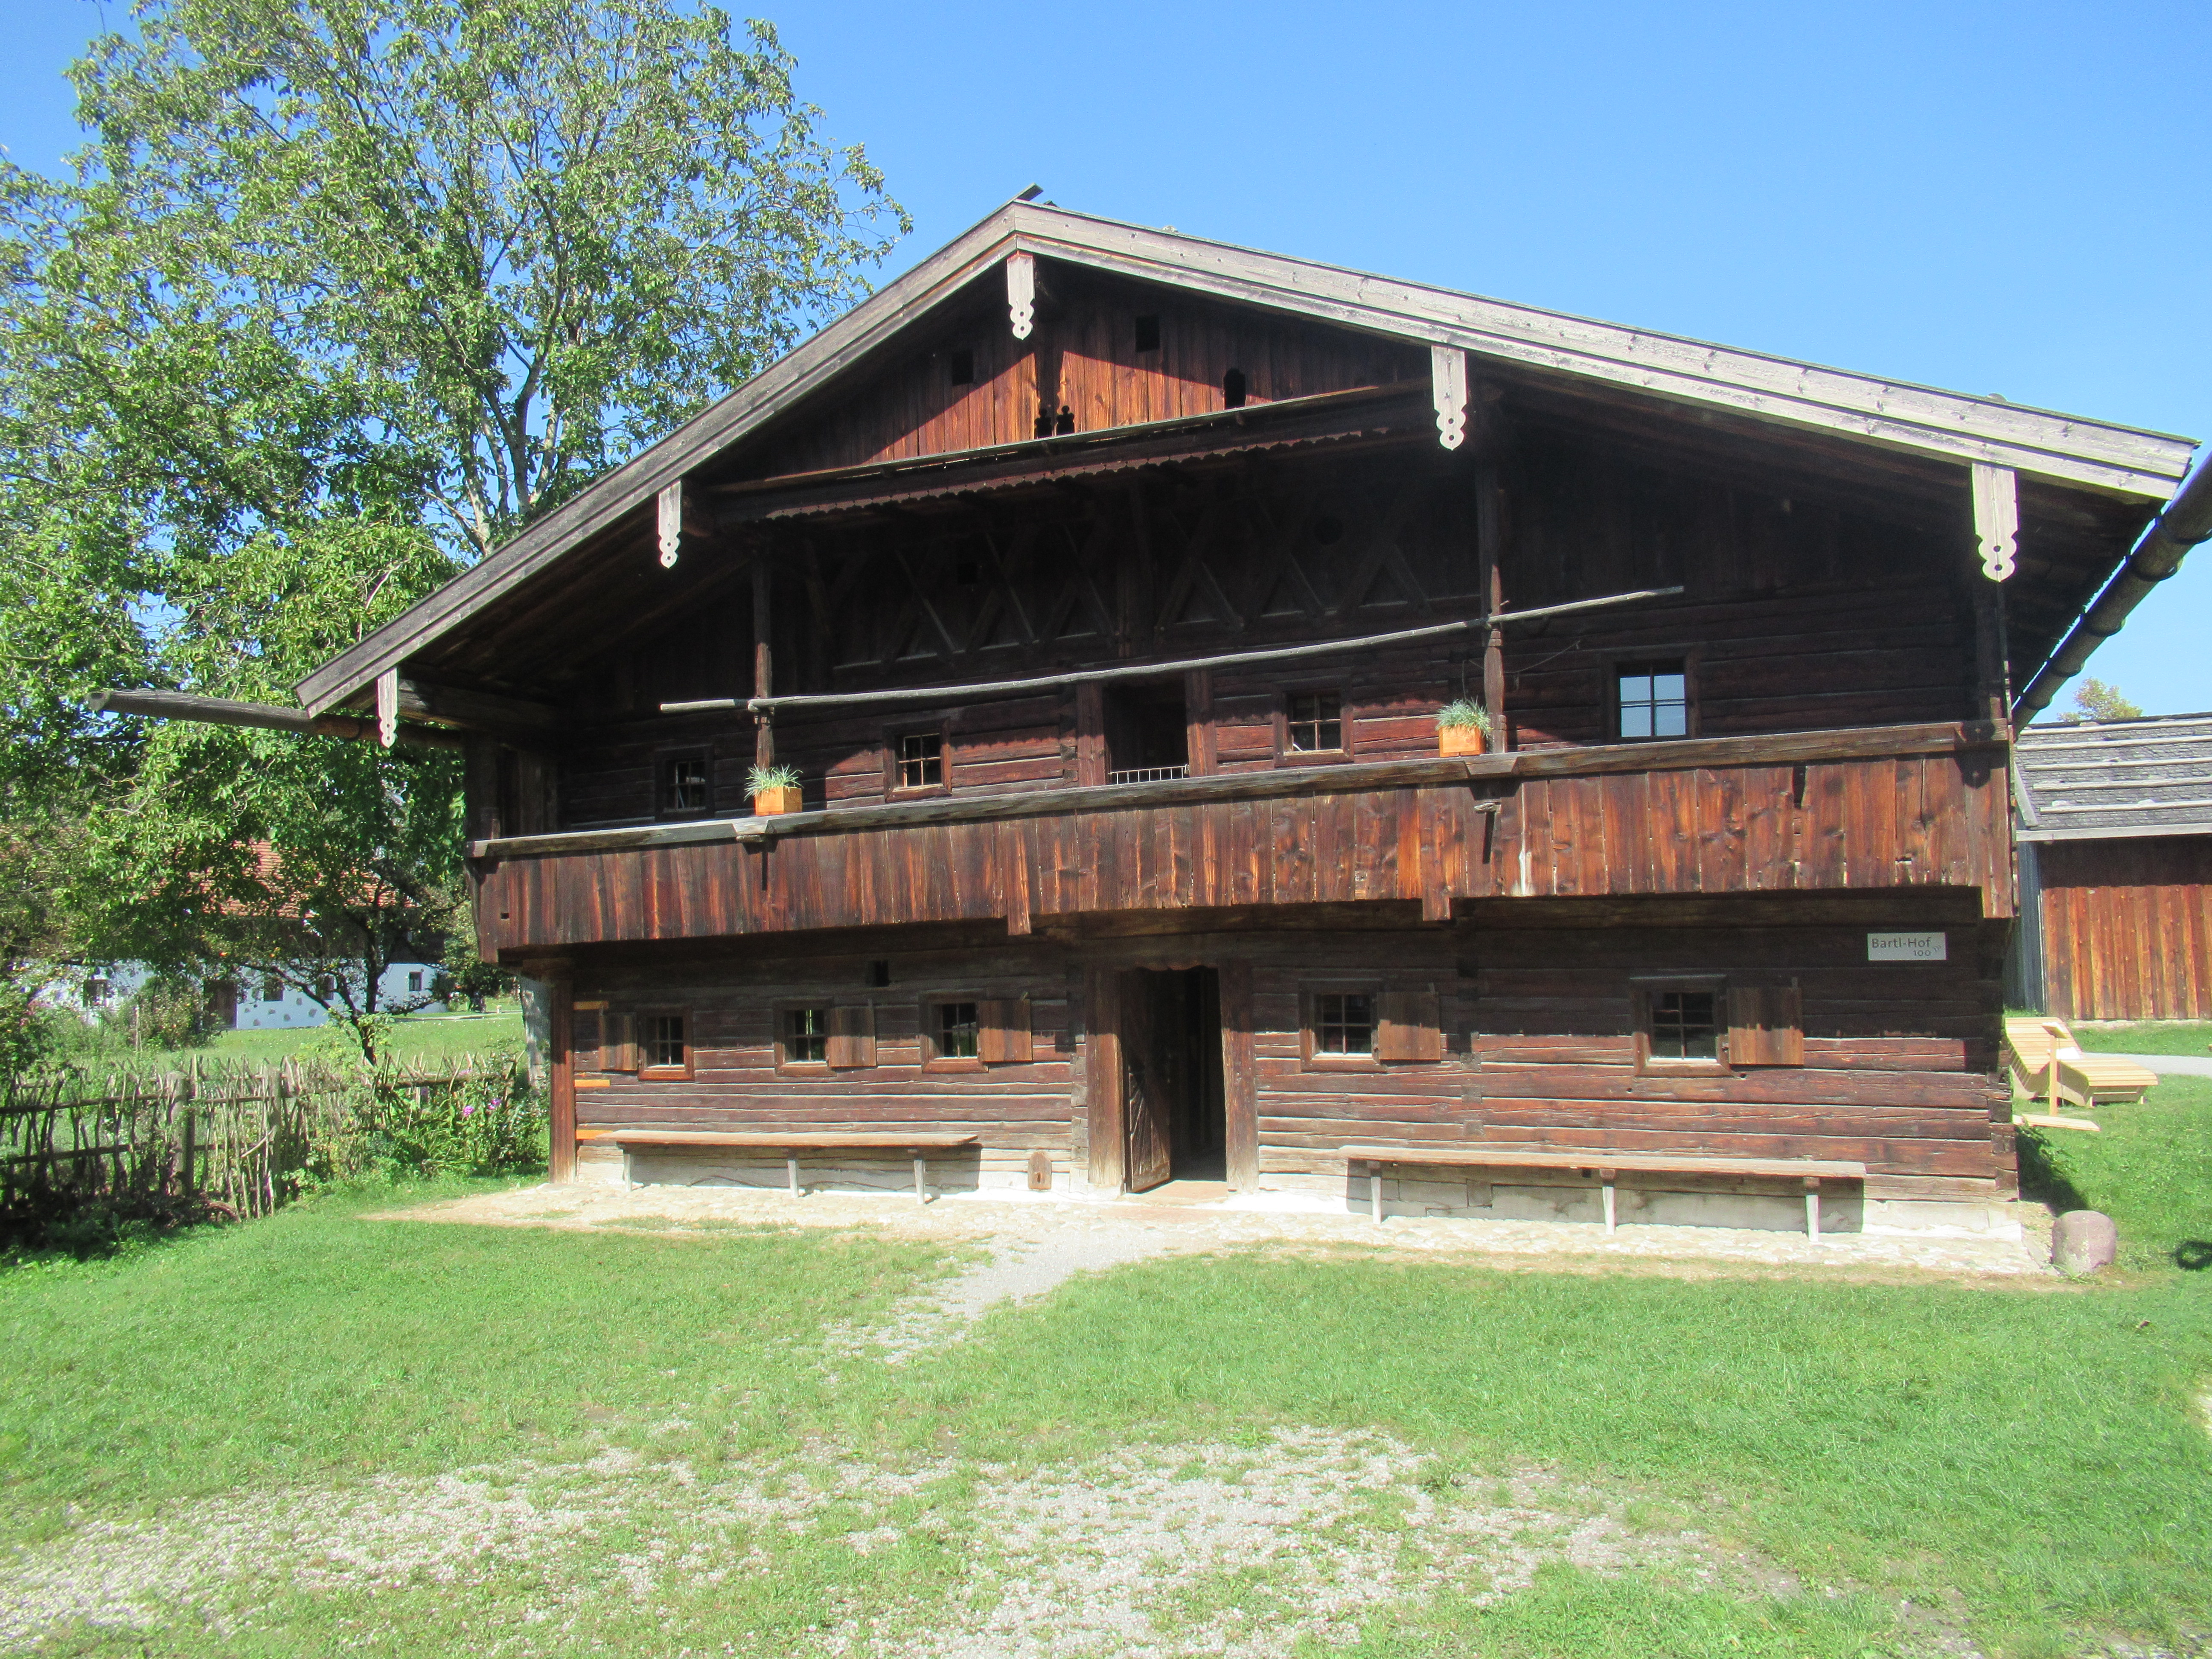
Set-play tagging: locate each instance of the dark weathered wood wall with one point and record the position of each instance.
(2127, 927)
(1082, 354)
(1813, 618)
(1539, 1050)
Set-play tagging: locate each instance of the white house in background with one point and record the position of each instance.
(271, 1004)
(258, 1003)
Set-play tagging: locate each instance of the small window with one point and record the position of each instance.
(1654, 700)
(1232, 389)
(806, 1037)
(661, 1044)
(414, 982)
(684, 788)
(920, 760)
(879, 971)
(1315, 722)
(1148, 333)
(1685, 1025)
(95, 991)
(1344, 1023)
(326, 986)
(272, 990)
(953, 1029)
(962, 365)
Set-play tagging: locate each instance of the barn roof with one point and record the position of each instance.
(2122, 464)
(2105, 779)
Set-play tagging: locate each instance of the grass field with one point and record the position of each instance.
(425, 1039)
(2163, 1036)
(674, 1451)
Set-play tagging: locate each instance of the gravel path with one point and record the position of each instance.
(2173, 1065)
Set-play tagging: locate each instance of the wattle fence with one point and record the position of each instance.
(244, 1139)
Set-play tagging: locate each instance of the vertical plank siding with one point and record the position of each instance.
(1862, 824)
(2127, 927)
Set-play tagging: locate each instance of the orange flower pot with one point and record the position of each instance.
(1460, 740)
(773, 802)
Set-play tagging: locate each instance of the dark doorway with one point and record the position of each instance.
(1147, 733)
(1174, 1114)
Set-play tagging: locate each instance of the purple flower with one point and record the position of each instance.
(467, 1106)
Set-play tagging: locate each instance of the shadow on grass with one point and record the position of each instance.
(2193, 1255)
(2043, 1182)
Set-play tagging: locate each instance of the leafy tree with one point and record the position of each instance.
(341, 294)
(2096, 701)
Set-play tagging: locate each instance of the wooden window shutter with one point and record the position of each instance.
(1004, 1039)
(1408, 1026)
(618, 1043)
(852, 1043)
(1766, 1025)
(584, 1039)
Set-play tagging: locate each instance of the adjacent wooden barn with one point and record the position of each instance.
(1102, 586)
(2115, 830)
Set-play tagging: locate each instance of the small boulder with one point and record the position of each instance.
(2083, 1241)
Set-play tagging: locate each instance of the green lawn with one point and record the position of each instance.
(2162, 1036)
(2023, 1467)
(2149, 1168)
(423, 1039)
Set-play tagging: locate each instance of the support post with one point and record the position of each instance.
(791, 1173)
(1489, 535)
(561, 1161)
(1375, 1191)
(1610, 1220)
(920, 1179)
(1813, 1208)
(764, 660)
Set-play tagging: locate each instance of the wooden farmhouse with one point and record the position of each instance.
(2115, 831)
(1102, 586)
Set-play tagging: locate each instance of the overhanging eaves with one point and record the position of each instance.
(2097, 455)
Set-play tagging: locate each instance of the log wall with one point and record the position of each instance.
(1539, 1047)
(2127, 927)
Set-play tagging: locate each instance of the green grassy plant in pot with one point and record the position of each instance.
(774, 789)
(1462, 727)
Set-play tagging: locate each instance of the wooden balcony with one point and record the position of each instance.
(1868, 808)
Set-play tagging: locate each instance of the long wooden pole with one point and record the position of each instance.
(1156, 671)
(1490, 532)
(763, 667)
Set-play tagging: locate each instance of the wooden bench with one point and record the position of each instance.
(1811, 1171)
(916, 1143)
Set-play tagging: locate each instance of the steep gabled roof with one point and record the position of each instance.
(2116, 460)
(2103, 779)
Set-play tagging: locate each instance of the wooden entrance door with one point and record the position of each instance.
(1147, 1153)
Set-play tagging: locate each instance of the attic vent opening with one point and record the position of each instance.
(1232, 389)
(1148, 333)
(963, 367)
(880, 973)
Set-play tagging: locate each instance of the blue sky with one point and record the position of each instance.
(1994, 198)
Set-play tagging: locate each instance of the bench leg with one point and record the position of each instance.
(1813, 1209)
(629, 1185)
(791, 1174)
(1375, 1191)
(922, 1181)
(1608, 1207)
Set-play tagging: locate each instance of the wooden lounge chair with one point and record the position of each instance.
(2049, 1064)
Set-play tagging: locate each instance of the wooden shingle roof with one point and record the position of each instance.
(2106, 778)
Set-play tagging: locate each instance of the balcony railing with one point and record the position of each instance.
(1148, 775)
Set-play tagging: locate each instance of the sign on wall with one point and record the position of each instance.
(1906, 947)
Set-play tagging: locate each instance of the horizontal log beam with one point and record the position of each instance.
(477, 711)
(1502, 772)
(257, 716)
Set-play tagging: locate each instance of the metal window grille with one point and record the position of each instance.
(1655, 701)
(687, 784)
(920, 760)
(1148, 774)
(1685, 1025)
(806, 1035)
(956, 1030)
(1317, 721)
(1344, 1024)
(664, 1040)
